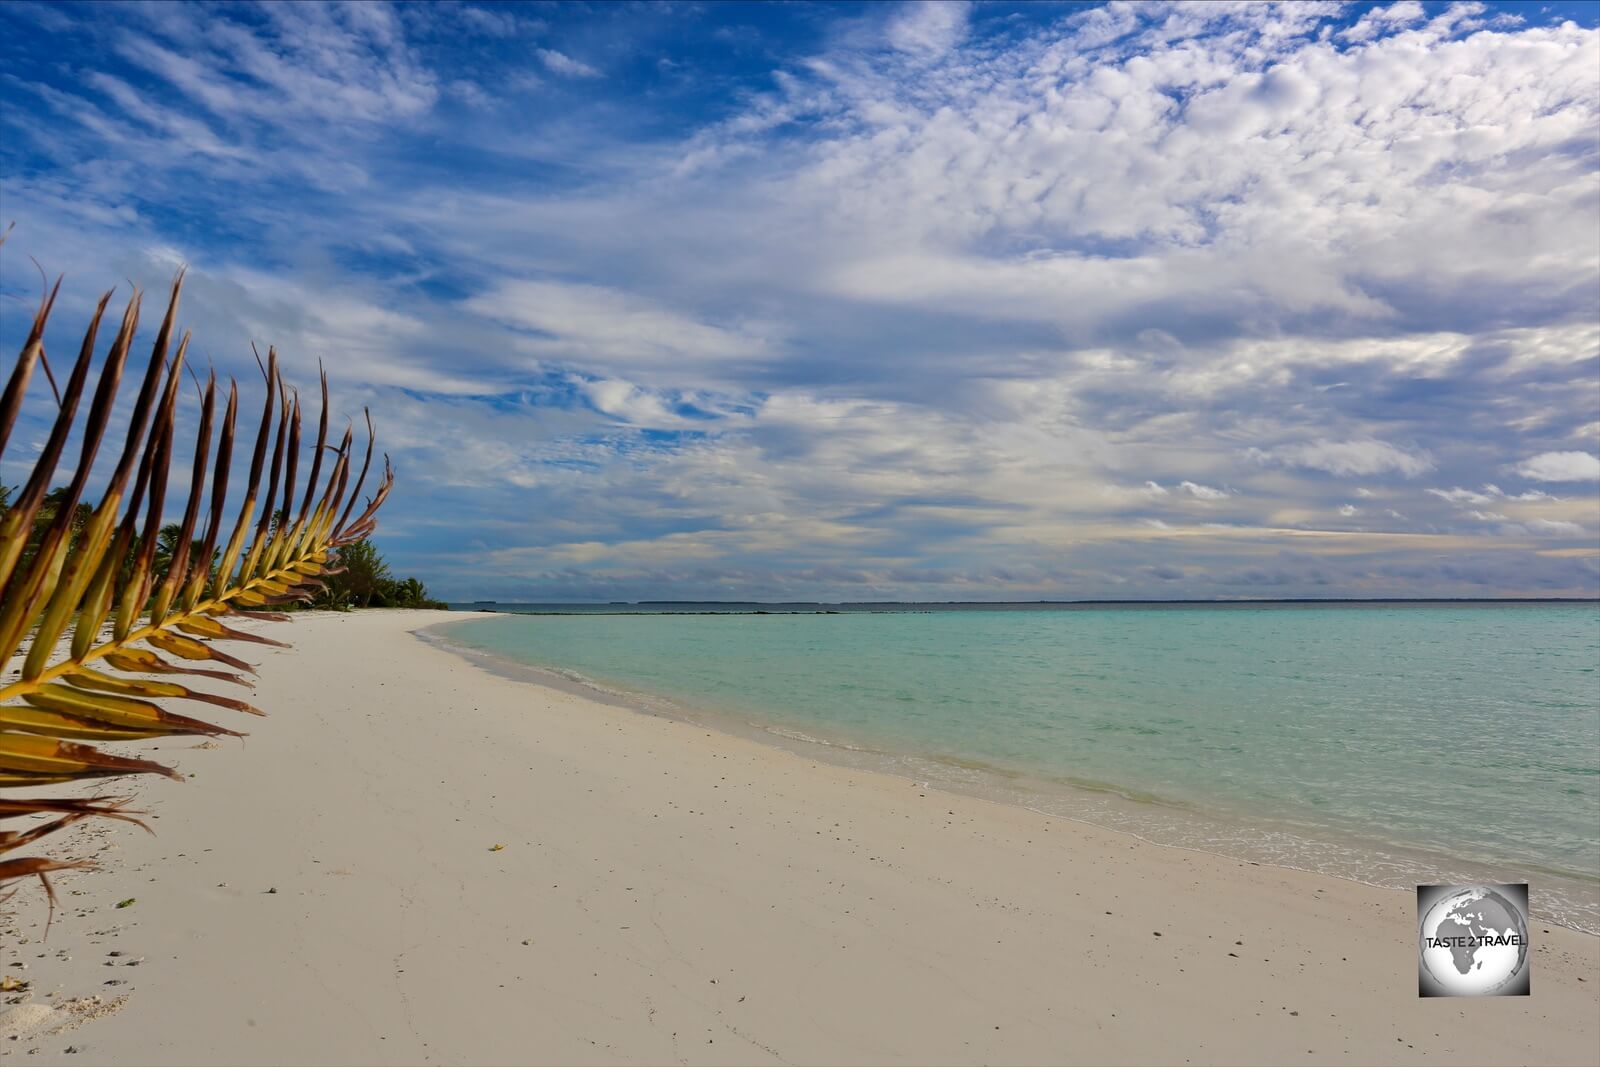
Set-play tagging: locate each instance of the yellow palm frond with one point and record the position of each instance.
(82, 602)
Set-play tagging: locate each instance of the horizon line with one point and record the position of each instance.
(997, 603)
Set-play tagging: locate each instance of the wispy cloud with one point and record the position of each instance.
(564, 65)
(598, 327)
(1358, 457)
(815, 302)
(1204, 492)
(928, 27)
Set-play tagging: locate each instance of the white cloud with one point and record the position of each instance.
(1204, 492)
(598, 327)
(1355, 457)
(488, 21)
(1348, 510)
(565, 65)
(638, 405)
(1488, 494)
(1554, 527)
(1462, 496)
(1538, 528)
(335, 63)
(975, 189)
(1561, 467)
(903, 300)
(1381, 19)
(1155, 491)
(628, 402)
(928, 27)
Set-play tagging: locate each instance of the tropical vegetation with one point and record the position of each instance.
(362, 579)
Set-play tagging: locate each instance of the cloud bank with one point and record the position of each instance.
(931, 301)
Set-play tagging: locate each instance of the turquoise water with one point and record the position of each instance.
(1389, 743)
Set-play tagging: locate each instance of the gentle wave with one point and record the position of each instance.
(796, 735)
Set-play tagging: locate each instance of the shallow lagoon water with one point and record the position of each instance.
(1389, 743)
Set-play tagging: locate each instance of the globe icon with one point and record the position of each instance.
(1474, 942)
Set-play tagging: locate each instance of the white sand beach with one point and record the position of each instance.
(330, 892)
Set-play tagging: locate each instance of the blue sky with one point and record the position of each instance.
(990, 301)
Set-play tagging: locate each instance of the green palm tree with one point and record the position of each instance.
(366, 575)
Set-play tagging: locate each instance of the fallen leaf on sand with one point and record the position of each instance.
(127, 903)
(496, 848)
(9, 984)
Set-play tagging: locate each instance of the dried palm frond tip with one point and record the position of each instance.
(86, 577)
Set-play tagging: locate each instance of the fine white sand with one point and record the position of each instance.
(327, 892)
